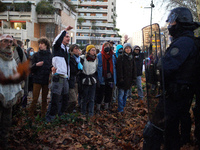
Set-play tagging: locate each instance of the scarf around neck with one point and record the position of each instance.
(90, 57)
(107, 57)
(130, 56)
(77, 58)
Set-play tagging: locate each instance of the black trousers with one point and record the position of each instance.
(177, 104)
(104, 91)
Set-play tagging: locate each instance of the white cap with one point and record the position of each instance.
(6, 36)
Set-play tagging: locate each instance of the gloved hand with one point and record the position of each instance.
(80, 66)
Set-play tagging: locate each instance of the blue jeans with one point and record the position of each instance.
(122, 96)
(88, 98)
(114, 94)
(139, 87)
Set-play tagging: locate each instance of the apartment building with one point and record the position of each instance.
(137, 38)
(20, 19)
(96, 21)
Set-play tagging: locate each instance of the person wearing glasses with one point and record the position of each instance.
(9, 94)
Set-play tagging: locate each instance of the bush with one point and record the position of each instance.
(44, 7)
(24, 7)
(2, 7)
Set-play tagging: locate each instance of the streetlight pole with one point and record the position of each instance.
(152, 6)
(71, 37)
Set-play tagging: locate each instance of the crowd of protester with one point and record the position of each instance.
(87, 80)
(90, 80)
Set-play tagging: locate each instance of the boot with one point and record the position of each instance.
(106, 105)
(98, 108)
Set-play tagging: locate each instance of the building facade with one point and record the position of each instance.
(96, 22)
(20, 19)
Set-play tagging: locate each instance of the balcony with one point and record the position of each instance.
(17, 1)
(98, 24)
(17, 34)
(15, 15)
(98, 38)
(96, 31)
(92, 10)
(84, 3)
(49, 18)
(95, 17)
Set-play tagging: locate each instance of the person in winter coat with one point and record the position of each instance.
(119, 50)
(75, 67)
(126, 75)
(9, 94)
(89, 79)
(20, 57)
(30, 52)
(106, 76)
(41, 69)
(139, 57)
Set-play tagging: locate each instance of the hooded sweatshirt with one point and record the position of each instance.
(138, 60)
(117, 50)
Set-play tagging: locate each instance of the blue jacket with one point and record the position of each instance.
(100, 69)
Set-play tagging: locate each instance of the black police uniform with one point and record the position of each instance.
(180, 69)
(179, 64)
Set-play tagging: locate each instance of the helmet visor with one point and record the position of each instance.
(172, 17)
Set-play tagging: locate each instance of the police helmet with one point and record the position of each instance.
(180, 14)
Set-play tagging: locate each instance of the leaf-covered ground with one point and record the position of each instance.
(72, 131)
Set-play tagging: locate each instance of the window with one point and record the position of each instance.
(98, 21)
(85, 34)
(85, 27)
(99, 15)
(81, 14)
(87, 14)
(50, 31)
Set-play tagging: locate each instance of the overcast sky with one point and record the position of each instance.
(132, 16)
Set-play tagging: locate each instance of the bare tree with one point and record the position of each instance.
(191, 4)
(198, 8)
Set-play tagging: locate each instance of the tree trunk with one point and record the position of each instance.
(198, 8)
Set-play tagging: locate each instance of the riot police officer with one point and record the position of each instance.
(180, 69)
(180, 65)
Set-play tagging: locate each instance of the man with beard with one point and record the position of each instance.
(10, 93)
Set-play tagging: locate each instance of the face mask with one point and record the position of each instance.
(120, 51)
(173, 30)
(107, 49)
(31, 53)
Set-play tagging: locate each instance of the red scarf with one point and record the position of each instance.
(90, 57)
(107, 57)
